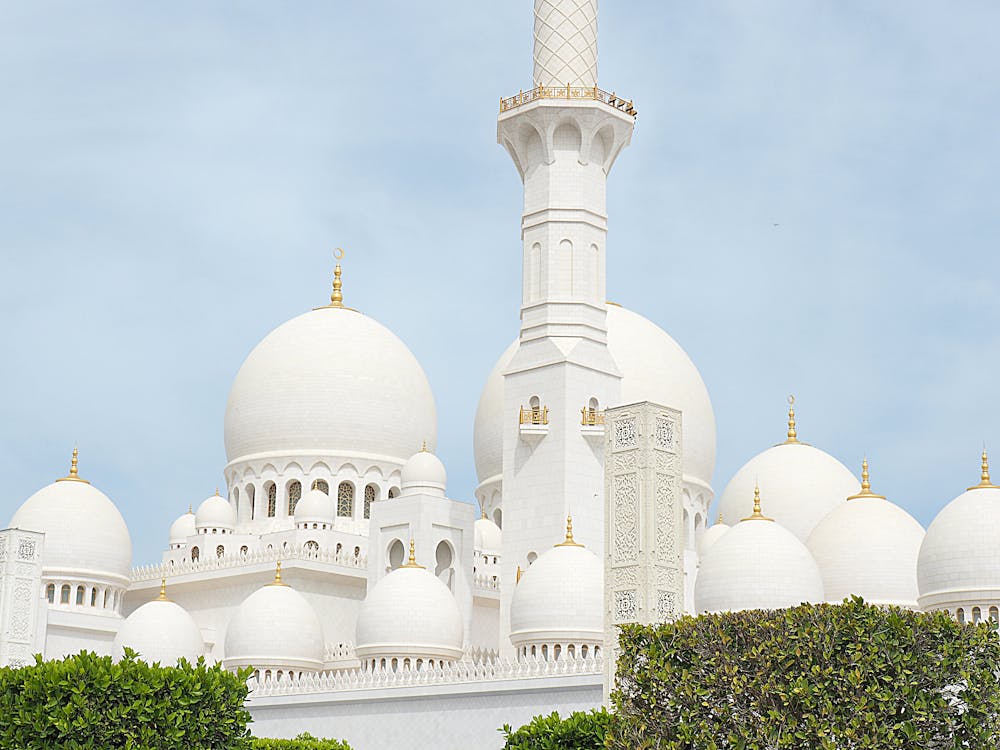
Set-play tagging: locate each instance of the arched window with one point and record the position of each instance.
(93, 597)
(339, 548)
(321, 485)
(220, 551)
(244, 550)
(80, 592)
(444, 557)
(977, 615)
(370, 495)
(106, 592)
(236, 500)
(50, 593)
(498, 517)
(294, 495)
(393, 492)
(532, 556)
(195, 554)
(272, 499)
(357, 551)
(396, 554)
(994, 618)
(250, 493)
(345, 500)
(312, 546)
(961, 615)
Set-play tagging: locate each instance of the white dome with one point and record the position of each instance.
(410, 614)
(425, 473)
(757, 564)
(215, 513)
(160, 631)
(654, 368)
(560, 598)
(801, 484)
(712, 534)
(959, 559)
(868, 547)
(275, 627)
(331, 381)
(182, 528)
(84, 532)
(315, 506)
(487, 536)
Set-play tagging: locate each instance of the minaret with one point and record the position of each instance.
(564, 135)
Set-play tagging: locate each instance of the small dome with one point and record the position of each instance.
(423, 473)
(315, 506)
(711, 536)
(84, 532)
(215, 513)
(182, 528)
(560, 598)
(868, 547)
(757, 564)
(275, 627)
(959, 560)
(331, 381)
(801, 483)
(654, 368)
(160, 631)
(487, 536)
(410, 614)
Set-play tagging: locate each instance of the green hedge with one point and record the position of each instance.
(304, 741)
(814, 677)
(578, 731)
(86, 701)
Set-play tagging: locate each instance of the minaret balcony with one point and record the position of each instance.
(567, 92)
(533, 422)
(592, 423)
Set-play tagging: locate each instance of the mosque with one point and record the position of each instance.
(374, 607)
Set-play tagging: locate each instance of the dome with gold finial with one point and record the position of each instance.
(215, 515)
(487, 536)
(559, 601)
(275, 628)
(868, 547)
(409, 616)
(711, 535)
(182, 529)
(959, 562)
(160, 631)
(330, 382)
(423, 473)
(757, 564)
(801, 483)
(85, 535)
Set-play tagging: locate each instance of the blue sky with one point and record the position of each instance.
(173, 178)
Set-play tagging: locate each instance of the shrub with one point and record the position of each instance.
(304, 741)
(578, 731)
(86, 701)
(814, 677)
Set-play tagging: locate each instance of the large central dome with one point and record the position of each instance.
(331, 381)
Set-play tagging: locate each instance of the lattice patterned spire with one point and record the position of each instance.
(566, 43)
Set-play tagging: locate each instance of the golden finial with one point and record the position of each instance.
(984, 482)
(412, 562)
(756, 515)
(570, 541)
(163, 591)
(792, 435)
(719, 519)
(73, 474)
(423, 448)
(337, 298)
(483, 511)
(190, 509)
(866, 485)
(277, 576)
(216, 490)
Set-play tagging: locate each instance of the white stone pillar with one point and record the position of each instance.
(20, 589)
(643, 564)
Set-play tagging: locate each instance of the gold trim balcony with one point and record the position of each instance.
(534, 415)
(591, 417)
(575, 93)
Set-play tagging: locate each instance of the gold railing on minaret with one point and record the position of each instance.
(534, 415)
(584, 93)
(591, 417)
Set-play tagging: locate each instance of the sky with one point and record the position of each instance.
(810, 205)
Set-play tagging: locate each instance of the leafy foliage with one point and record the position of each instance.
(87, 701)
(304, 741)
(578, 731)
(814, 677)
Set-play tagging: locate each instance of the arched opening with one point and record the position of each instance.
(339, 548)
(93, 597)
(532, 556)
(195, 554)
(244, 550)
(236, 500)
(312, 546)
(294, 489)
(977, 615)
(80, 591)
(393, 492)
(321, 485)
(250, 493)
(498, 517)
(396, 554)
(961, 615)
(345, 500)
(444, 557)
(371, 492)
(106, 592)
(50, 593)
(357, 551)
(220, 551)
(994, 618)
(272, 498)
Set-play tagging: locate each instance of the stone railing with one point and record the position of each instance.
(585, 93)
(210, 562)
(486, 582)
(447, 674)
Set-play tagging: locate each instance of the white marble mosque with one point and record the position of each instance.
(374, 607)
